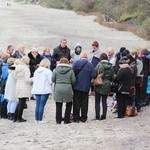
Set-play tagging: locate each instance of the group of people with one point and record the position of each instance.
(68, 76)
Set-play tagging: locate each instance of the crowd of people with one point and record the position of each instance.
(69, 77)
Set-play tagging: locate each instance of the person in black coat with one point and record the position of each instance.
(35, 59)
(61, 51)
(124, 77)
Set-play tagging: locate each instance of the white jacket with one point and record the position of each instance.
(42, 81)
(10, 87)
(23, 85)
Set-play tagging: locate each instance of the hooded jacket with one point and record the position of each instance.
(64, 78)
(42, 82)
(105, 68)
(22, 75)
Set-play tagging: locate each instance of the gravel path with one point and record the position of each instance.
(34, 25)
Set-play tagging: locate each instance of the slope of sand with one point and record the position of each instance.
(34, 25)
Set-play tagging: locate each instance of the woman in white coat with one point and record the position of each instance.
(10, 89)
(23, 87)
(42, 87)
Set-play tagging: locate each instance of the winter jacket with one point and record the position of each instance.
(64, 78)
(105, 68)
(60, 52)
(18, 54)
(42, 81)
(22, 75)
(94, 57)
(83, 78)
(11, 82)
(34, 62)
(124, 77)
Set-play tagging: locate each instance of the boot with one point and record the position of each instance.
(12, 116)
(102, 117)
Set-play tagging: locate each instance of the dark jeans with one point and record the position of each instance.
(80, 102)
(59, 112)
(121, 103)
(19, 109)
(40, 104)
(97, 105)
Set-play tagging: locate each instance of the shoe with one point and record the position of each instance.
(68, 122)
(102, 117)
(36, 121)
(32, 98)
(42, 122)
(22, 120)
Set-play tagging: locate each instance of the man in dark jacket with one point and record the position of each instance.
(83, 72)
(61, 51)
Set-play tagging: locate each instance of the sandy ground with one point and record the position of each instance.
(34, 25)
(37, 26)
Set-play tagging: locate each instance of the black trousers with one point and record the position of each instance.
(80, 103)
(59, 112)
(3, 109)
(97, 105)
(19, 109)
(121, 103)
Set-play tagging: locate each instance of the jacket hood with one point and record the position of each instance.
(41, 69)
(107, 65)
(20, 67)
(63, 68)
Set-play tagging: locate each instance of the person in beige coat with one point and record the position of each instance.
(23, 87)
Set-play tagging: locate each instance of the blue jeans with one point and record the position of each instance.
(41, 100)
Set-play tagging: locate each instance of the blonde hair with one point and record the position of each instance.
(5, 56)
(45, 63)
(110, 51)
(17, 61)
(25, 60)
(84, 54)
(10, 61)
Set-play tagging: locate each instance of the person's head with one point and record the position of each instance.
(144, 51)
(103, 56)
(25, 60)
(95, 45)
(45, 63)
(84, 55)
(46, 52)
(35, 52)
(134, 53)
(21, 48)
(63, 43)
(10, 61)
(5, 56)
(123, 60)
(10, 49)
(78, 49)
(130, 59)
(64, 61)
(110, 52)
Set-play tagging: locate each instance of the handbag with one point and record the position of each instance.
(130, 112)
(98, 80)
